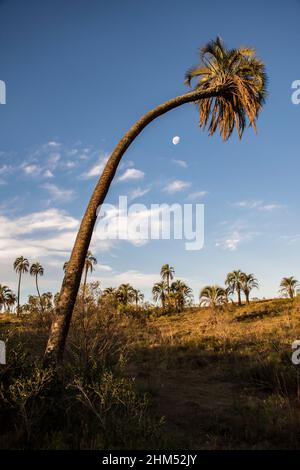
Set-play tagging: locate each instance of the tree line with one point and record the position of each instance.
(172, 294)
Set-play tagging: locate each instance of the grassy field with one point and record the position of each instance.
(188, 380)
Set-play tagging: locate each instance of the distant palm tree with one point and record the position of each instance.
(288, 286)
(159, 292)
(234, 282)
(11, 300)
(109, 291)
(90, 262)
(181, 293)
(36, 270)
(137, 296)
(125, 294)
(167, 273)
(47, 299)
(212, 296)
(5, 294)
(230, 92)
(21, 265)
(249, 282)
(227, 293)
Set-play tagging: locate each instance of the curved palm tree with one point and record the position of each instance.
(90, 262)
(138, 296)
(21, 266)
(159, 292)
(212, 296)
(234, 281)
(5, 294)
(288, 286)
(36, 270)
(249, 282)
(167, 273)
(230, 91)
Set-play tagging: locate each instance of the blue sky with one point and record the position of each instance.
(79, 73)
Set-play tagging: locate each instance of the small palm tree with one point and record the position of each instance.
(125, 294)
(212, 296)
(5, 294)
(11, 300)
(230, 92)
(249, 282)
(167, 273)
(47, 299)
(288, 287)
(21, 266)
(159, 292)
(138, 296)
(234, 281)
(36, 270)
(181, 294)
(90, 262)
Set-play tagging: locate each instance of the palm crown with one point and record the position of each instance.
(244, 78)
(36, 269)
(21, 265)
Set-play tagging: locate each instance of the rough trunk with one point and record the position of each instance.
(19, 288)
(60, 326)
(239, 297)
(38, 291)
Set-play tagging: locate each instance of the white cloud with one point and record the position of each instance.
(197, 195)
(31, 170)
(177, 185)
(259, 205)
(97, 169)
(232, 242)
(48, 174)
(138, 279)
(53, 143)
(57, 193)
(131, 174)
(138, 192)
(181, 163)
(5, 169)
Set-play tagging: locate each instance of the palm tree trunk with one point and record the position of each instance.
(239, 296)
(60, 326)
(38, 291)
(84, 284)
(19, 288)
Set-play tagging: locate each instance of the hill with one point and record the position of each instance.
(189, 380)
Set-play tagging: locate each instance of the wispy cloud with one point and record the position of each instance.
(258, 205)
(31, 170)
(98, 168)
(138, 192)
(177, 186)
(197, 195)
(57, 193)
(181, 163)
(131, 174)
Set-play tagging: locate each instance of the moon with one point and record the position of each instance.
(176, 140)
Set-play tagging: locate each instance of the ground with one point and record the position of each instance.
(229, 384)
(223, 381)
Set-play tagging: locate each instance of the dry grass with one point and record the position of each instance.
(221, 381)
